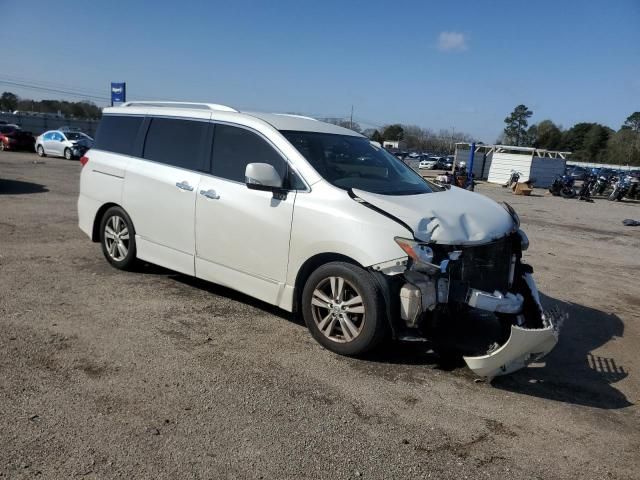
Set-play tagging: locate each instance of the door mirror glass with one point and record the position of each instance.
(262, 176)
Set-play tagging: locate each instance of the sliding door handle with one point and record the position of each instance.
(184, 186)
(211, 194)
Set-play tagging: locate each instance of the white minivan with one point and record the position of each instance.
(315, 219)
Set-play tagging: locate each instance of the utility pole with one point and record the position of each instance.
(453, 132)
(351, 119)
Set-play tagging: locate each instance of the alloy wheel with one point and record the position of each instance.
(338, 309)
(116, 238)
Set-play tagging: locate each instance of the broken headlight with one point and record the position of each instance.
(418, 252)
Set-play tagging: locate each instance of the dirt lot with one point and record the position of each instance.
(108, 374)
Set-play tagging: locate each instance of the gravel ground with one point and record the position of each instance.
(105, 374)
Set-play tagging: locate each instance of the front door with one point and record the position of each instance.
(242, 235)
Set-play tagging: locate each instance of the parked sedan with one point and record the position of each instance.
(579, 173)
(67, 144)
(445, 163)
(12, 137)
(430, 163)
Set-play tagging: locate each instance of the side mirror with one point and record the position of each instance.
(262, 176)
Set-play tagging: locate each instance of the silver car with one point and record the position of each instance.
(67, 144)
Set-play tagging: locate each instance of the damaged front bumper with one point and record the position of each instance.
(525, 345)
(459, 283)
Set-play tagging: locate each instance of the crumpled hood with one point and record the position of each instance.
(455, 216)
(84, 142)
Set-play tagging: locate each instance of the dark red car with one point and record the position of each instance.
(13, 137)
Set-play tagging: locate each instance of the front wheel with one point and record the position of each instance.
(118, 238)
(68, 154)
(40, 151)
(568, 192)
(343, 308)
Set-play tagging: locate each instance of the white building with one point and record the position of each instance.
(495, 163)
(391, 144)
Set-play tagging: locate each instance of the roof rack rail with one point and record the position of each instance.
(193, 105)
(295, 115)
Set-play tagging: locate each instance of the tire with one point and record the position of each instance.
(613, 195)
(68, 154)
(2, 147)
(122, 254)
(331, 323)
(568, 193)
(40, 151)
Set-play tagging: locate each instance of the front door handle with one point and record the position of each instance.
(184, 186)
(210, 194)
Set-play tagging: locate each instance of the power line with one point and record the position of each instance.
(53, 90)
(54, 85)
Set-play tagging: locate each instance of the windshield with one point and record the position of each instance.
(75, 135)
(7, 129)
(353, 162)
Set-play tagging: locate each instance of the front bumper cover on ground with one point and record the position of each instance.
(524, 345)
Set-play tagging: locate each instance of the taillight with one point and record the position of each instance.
(84, 160)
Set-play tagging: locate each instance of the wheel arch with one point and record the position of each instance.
(309, 266)
(95, 231)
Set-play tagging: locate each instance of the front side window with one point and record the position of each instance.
(234, 148)
(353, 162)
(117, 133)
(177, 142)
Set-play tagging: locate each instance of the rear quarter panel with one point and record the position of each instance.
(101, 182)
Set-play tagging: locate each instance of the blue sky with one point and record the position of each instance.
(462, 64)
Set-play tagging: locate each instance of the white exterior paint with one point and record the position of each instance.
(391, 144)
(242, 238)
(455, 216)
(256, 242)
(166, 221)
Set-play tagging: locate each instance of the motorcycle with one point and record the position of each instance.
(620, 189)
(587, 186)
(634, 187)
(513, 179)
(599, 186)
(563, 186)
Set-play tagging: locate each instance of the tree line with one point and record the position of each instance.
(410, 137)
(588, 142)
(84, 109)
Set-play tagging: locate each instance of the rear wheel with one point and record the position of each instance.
(568, 192)
(342, 308)
(68, 154)
(118, 238)
(40, 151)
(2, 146)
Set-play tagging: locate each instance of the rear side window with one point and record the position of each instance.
(117, 133)
(177, 142)
(234, 148)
